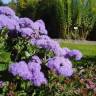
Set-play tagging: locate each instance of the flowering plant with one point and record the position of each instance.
(33, 53)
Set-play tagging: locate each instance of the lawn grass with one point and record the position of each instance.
(86, 49)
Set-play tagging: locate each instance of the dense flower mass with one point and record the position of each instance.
(76, 53)
(35, 33)
(20, 69)
(35, 68)
(9, 23)
(26, 32)
(25, 22)
(6, 11)
(40, 27)
(36, 59)
(60, 65)
(30, 71)
(38, 79)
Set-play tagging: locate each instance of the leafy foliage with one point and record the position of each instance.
(67, 15)
(76, 85)
(32, 52)
(1, 3)
(26, 8)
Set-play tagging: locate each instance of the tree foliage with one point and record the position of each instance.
(26, 8)
(1, 3)
(61, 16)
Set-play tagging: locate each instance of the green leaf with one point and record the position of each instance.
(4, 60)
(4, 56)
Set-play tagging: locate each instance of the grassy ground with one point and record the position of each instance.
(85, 48)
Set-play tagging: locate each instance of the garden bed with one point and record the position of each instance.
(33, 64)
(82, 83)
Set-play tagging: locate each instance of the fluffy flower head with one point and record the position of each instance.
(6, 11)
(75, 53)
(20, 69)
(60, 65)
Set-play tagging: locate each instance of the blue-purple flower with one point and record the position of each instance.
(60, 65)
(5, 10)
(75, 53)
(30, 71)
(37, 35)
(38, 79)
(20, 69)
(9, 23)
(41, 41)
(36, 59)
(26, 32)
(25, 22)
(34, 67)
(39, 27)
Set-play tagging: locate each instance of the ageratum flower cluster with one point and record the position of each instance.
(36, 34)
(29, 71)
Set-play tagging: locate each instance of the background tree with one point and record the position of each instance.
(12, 4)
(51, 11)
(1, 3)
(26, 8)
(68, 19)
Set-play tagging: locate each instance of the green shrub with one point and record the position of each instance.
(61, 16)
